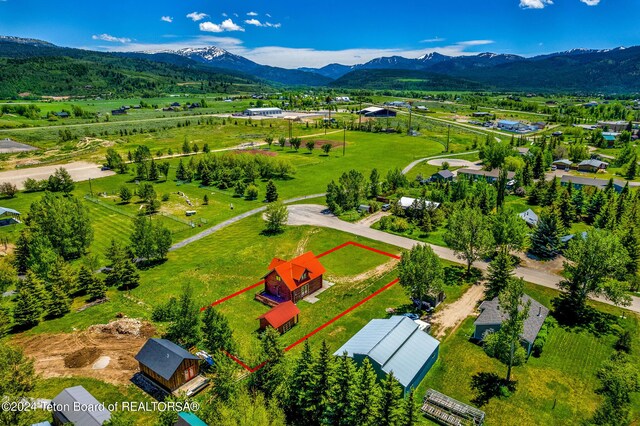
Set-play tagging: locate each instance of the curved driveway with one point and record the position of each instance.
(316, 215)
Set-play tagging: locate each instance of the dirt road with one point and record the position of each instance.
(315, 215)
(79, 171)
(451, 316)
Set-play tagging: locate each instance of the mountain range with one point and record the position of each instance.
(577, 70)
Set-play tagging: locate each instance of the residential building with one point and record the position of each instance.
(291, 280)
(119, 112)
(167, 364)
(580, 182)
(563, 164)
(592, 165)
(281, 317)
(252, 112)
(65, 410)
(491, 318)
(482, 114)
(614, 126)
(377, 112)
(491, 176)
(512, 126)
(442, 175)
(394, 345)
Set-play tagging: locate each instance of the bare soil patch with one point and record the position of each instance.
(449, 318)
(74, 354)
(79, 171)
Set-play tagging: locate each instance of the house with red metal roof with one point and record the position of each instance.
(282, 317)
(291, 280)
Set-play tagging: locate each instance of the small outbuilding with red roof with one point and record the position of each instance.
(292, 280)
(282, 317)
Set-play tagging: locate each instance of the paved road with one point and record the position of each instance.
(316, 215)
(233, 220)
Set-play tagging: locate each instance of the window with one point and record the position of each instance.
(305, 276)
(278, 278)
(304, 290)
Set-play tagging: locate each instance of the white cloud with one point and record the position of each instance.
(267, 15)
(257, 23)
(224, 14)
(432, 40)
(535, 4)
(252, 14)
(197, 16)
(226, 25)
(110, 38)
(591, 2)
(287, 57)
(168, 19)
(235, 14)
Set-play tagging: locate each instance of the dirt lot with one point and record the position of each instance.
(449, 318)
(79, 171)
(105, 352)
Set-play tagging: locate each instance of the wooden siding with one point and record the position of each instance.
(178, 378)
(283, 328)
(280, 289)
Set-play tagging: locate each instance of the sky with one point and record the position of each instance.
(294, 34)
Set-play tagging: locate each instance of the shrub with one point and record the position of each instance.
(166, 312)
(252, 192)
(541, 339)
(165, 197)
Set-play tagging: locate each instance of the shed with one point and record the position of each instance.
(491, 318)
(189, 419)
(262, 111)
(282, 317)
(396, 344)
(167, 364)
(377, 112)
(77, 406)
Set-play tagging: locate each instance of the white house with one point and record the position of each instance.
(406, 202)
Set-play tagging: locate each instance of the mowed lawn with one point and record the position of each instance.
(558, 388)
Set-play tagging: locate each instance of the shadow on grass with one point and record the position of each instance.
(144, 265)
(458, 275)
(270, 233)
(587, 318)
(488, 386)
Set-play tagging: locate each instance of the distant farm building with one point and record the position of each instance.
(62, 114)
(491, 318)
(167, 364)
(377, 112)
(482, 114)
(65, 413)
(9, 216)
(253, 112)
(291, 280)
(282, 317)
(592, 165)
(614, 126)
(120, 111)
(395, 344)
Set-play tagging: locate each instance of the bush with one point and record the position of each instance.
(252, 192)
(399, 224)
(32, 185)
(8, 189)
(541, 339)
(385, 223)
(165, 197)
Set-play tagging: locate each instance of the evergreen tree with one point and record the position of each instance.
(565, 207)
(390, 412)
(96, 289)
(185, 329)
(374, 183)
(180, 171)
(153, 171)
(216, 332)
(272, 192)
(367, 395)
(323, 382)
(500, 272)
(516, 313)
(269, 378)
(125, 194)
(62, 275)
(538, 166)
(301, 398)
(502, 187)
(342, 409)
(30, 301)
(129, 276)
(551, 194)
(545, 241)
(85, 279)
(59, 302)
(593, 207)
(5, 321)
(411, 410)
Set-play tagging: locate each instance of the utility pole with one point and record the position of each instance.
(409, 129)
(448, 137)
(360, 115)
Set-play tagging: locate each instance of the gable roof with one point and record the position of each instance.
(396, 344)
(530, 217)
(65, 402)
(163, 357)
(593, 163)
(495, 173)
(189, 419)
(446, 174)
(587, 181)
(406, 202)
(490, 314)
(563, 161)
(4, 210)
(281, 313)
(291, 271)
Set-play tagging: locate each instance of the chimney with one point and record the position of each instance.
(539, 310)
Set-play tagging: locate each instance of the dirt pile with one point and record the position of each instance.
(124, 327)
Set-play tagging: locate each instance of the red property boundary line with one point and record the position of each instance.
(321, 327)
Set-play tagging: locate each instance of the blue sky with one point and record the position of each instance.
(303, 33)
